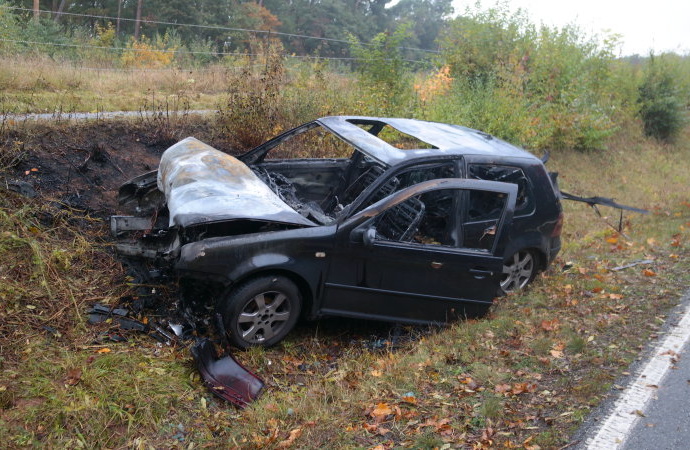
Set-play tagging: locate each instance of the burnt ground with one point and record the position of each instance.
(83, 165)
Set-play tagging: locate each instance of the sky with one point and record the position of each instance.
(659, 25)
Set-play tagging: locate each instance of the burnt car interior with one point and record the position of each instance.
(506, 174)
(336, 173)
(430, 219)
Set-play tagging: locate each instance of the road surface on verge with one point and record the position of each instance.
(653, 410)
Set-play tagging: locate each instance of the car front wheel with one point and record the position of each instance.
(261, 312)
(518, 271)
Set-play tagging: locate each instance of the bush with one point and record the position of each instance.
(383, 72)
(539, 87)
(661, 105)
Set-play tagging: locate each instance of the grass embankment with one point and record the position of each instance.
(40, 85)
(525, 376)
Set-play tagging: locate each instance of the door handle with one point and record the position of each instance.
(481, 274)
(436, 265)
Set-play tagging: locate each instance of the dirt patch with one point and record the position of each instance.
(82, 165)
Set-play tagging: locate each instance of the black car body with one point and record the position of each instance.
(399, 219)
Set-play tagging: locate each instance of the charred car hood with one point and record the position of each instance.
(202, 184)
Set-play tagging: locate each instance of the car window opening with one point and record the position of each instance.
(393, 136)
(505, 174)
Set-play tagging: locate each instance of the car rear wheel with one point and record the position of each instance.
(518, 271)
(261, 312)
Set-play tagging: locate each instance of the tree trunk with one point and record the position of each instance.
(137, 24)
(58, 13)
(119, 11)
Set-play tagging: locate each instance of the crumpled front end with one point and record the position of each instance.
(198, 192)
(202, 184)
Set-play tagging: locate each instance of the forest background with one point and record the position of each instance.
(286, 62)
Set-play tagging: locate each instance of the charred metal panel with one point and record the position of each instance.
(447, 138)
(202, 184)
(121, 224)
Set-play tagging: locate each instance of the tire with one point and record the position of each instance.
(518, 271)
(261, 311)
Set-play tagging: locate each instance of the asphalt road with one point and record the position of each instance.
(653, 409)
(666, 421)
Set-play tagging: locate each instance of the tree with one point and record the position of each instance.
(661, 107)
(428, 17)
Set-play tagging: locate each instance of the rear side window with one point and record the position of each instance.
(524, 203)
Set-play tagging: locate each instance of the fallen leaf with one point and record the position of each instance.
(501, 388)
(370, 427)
(294, 434)
(649, 273)
(381, 411)
(73, 377)
(103, 350)
(383, 431)
(376, 373)
(675, 240)
(612, 240)
(409, 398)
(550, 325)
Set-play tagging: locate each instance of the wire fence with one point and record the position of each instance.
(191, 52)
(211, 27)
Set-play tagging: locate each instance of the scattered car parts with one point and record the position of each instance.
(225, 377)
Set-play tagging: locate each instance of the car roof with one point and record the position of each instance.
(446, 138)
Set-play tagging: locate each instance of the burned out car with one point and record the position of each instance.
(396, 219)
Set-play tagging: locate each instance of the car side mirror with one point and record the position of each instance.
(369, 236)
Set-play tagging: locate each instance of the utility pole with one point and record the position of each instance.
(137, 24)
(36, 10)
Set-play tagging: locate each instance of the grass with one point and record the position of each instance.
(526, 375)
(39, 85)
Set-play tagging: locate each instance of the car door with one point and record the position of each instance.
(403, 258)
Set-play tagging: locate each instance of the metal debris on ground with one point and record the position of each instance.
(633, 264)
(100, 313)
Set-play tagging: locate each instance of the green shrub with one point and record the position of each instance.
(661, 105)
(539, 87)
(383, 72)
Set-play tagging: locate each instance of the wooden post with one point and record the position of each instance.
(36, 10)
